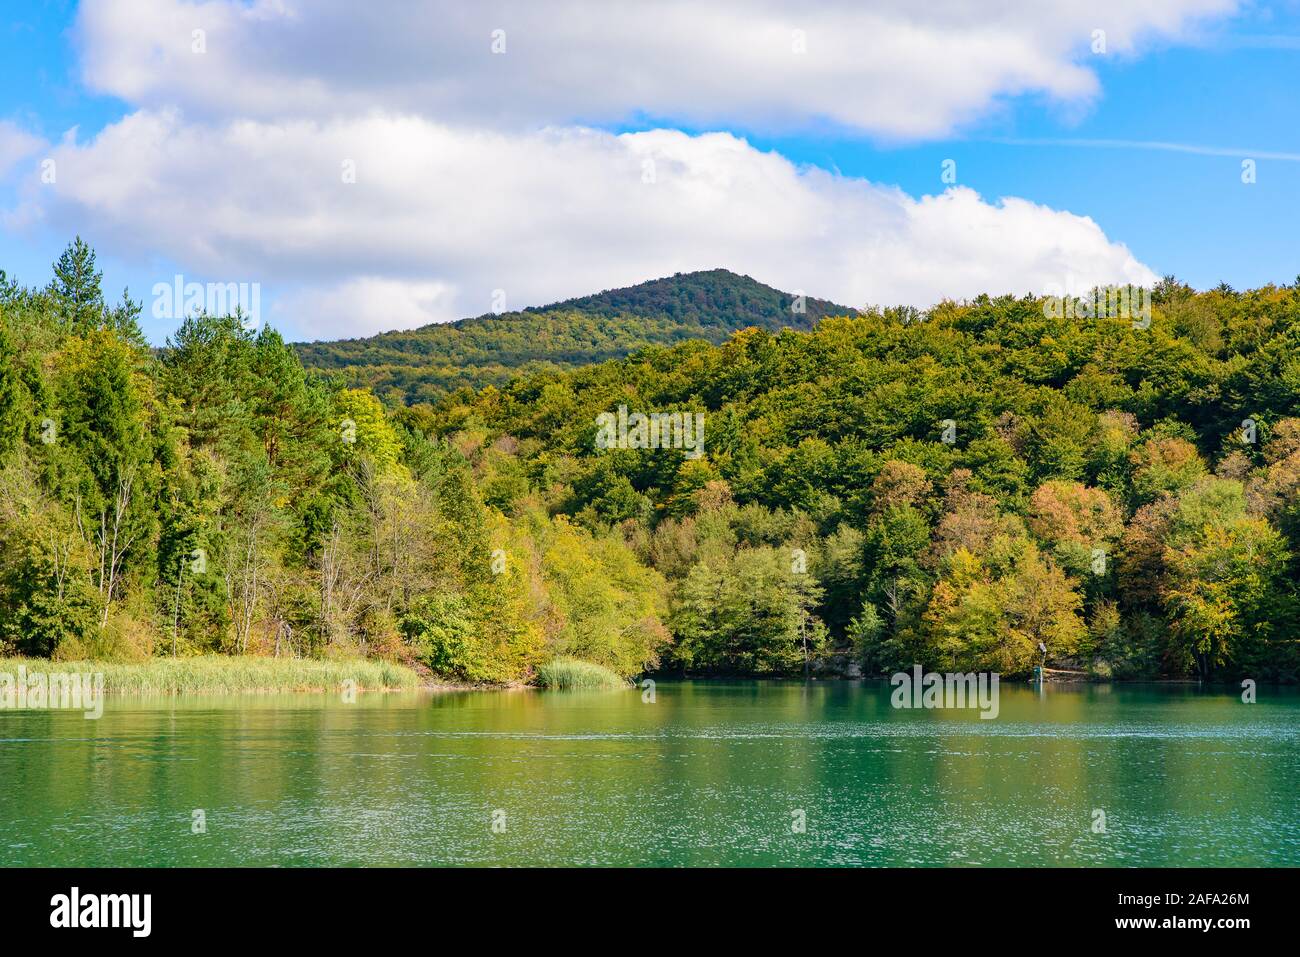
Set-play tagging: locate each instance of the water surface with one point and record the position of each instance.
(708, 774)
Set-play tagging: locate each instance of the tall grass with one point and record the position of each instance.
(571, 674)
(213, 674)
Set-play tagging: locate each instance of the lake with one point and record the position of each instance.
(709, 773)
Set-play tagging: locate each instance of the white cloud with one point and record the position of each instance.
(363, 306)
(893, 68)
(16, 145)
(474, 173)
(439, 217)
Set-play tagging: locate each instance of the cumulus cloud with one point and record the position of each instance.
(376, 165)
(439, 218)
(16, 144)
(893, 68)
(362, 306)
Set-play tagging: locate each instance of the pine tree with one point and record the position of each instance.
(77, 288)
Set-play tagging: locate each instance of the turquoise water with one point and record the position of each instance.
(708, 774)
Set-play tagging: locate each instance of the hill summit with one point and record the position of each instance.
(422, 364)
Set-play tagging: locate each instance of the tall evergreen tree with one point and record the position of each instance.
(77, 288)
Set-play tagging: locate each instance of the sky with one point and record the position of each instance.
(375, 166)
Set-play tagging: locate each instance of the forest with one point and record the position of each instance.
(981, 486)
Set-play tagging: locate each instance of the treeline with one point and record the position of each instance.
(215, 497)
(423, 365)
(953, 489)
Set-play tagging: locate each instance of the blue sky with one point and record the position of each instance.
(1216, 89)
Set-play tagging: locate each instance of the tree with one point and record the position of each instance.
(77, 288)
(48, 602)
(602, 606)
(991, 611)
(1224, 584)
(1057, 441)
(102, 408)
(1164, 465)
(12, 395)
(250, 531)
(364, 430)
(748, 613)
(1081, 526)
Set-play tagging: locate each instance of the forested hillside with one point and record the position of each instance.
(220, 499)
(947, 489)
(424, 364)
(960, 487)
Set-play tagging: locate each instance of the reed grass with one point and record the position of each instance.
(571, 674)
(217, 674)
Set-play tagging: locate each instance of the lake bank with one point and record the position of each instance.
(219, 674)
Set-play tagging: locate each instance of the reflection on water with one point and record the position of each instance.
(709, 774)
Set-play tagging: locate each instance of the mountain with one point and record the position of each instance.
(423, 364)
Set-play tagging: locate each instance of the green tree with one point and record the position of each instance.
(1224, 587)
(749, 613)
(12, 394)
(77, 288)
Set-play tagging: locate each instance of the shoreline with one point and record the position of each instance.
(221, 675)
